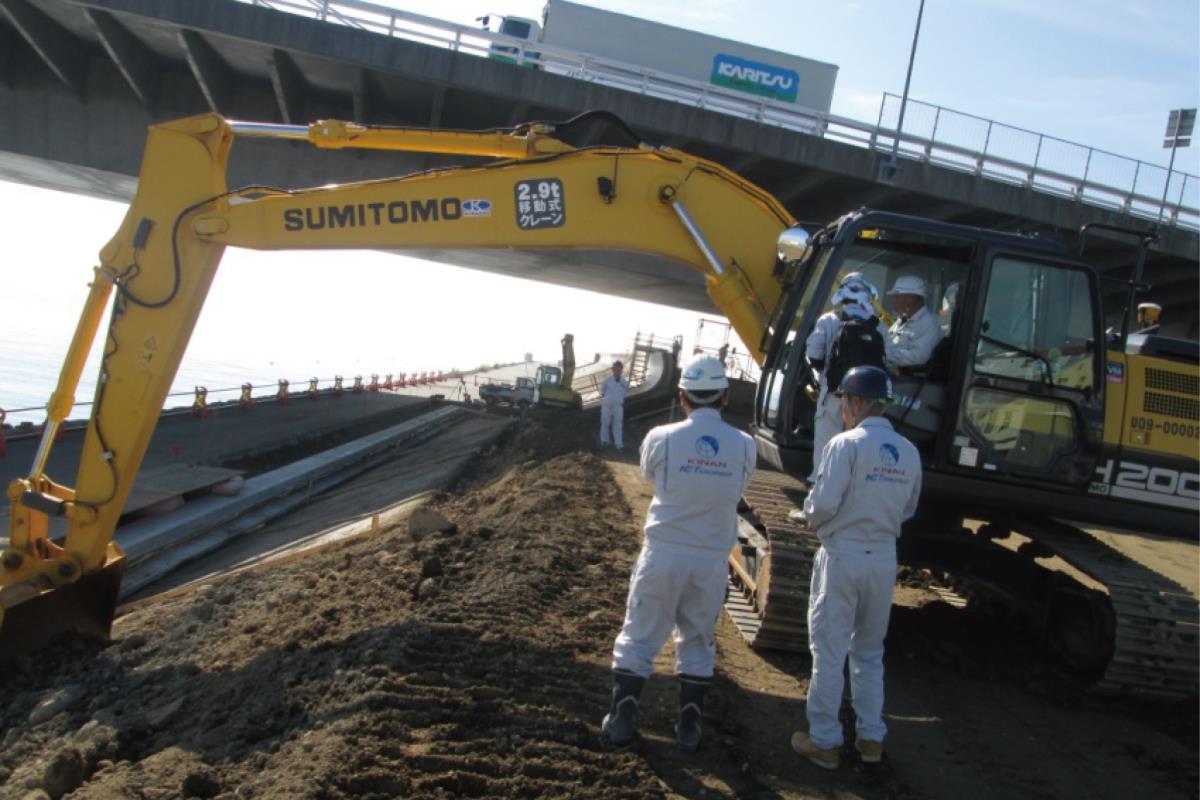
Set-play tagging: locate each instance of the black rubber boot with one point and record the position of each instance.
(620, 723)
(691, 711)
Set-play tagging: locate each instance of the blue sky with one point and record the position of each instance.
(1101, 73)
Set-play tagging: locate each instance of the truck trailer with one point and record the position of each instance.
(629, 42)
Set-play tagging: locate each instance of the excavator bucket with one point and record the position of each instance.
(85, 607)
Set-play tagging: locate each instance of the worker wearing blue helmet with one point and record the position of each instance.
(867, 485)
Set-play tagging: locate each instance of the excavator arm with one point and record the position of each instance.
(568, 359)
(543, 194)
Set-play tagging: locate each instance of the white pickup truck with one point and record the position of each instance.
(520, 394)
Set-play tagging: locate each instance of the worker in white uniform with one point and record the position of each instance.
(699, 468)
(867, 486)
(852, 298)
(612, 407)
(914, 334)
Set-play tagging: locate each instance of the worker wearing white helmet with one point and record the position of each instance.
(914, 334)
(867, 484)
(612, 407)
(852, 300)
(699, 468)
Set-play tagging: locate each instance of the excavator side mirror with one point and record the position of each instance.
(794, 245)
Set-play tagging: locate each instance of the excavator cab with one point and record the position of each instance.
(1014, 391)
(551, 391)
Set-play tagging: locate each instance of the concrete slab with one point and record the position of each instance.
(163, 482)
(226, 434)
(156, 545)
(371, 498)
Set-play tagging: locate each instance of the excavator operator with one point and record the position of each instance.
(914, 334)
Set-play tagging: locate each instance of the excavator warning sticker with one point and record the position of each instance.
(540, 204)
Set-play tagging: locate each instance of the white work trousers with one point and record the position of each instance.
(612, 416)
(848, 610)
(827, 423)
(672, 589)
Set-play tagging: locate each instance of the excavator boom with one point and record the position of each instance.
(543, 195)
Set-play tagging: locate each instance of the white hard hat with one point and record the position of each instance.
(854, 281)
(908, 284)
(1152, 306)
(703, 374)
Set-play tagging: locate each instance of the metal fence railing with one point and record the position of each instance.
(1045, 163)
(932, 134)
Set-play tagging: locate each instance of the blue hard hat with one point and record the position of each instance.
(869, 382)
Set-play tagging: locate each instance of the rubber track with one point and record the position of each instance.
(776, 616)
(1157, 647)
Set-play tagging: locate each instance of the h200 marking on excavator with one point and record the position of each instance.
(1014, 402)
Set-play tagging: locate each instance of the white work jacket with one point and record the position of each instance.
(613, 391)
(699, 468)
(868, 483)
(910, 342)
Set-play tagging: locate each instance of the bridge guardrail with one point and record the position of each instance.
(933, 134)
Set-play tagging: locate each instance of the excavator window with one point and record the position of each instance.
(881, 255)
(1035, 365)
(781, 357)
(1037, 325)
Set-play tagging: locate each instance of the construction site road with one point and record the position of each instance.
(467, 655)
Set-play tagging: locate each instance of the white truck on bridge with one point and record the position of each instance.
(663, 50)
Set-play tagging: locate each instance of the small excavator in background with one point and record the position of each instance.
(552, 385)
(1030, 424)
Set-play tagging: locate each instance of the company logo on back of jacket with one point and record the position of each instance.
(707, 447)
(889, 470)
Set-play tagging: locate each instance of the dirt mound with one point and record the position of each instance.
(467, 662)
(541, 434)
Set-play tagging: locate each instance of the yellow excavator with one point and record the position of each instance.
(554, 384)
(1028, 420)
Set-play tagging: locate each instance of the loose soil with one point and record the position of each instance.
(473, 662)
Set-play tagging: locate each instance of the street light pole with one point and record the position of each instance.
(1180, 124)
(887, 171)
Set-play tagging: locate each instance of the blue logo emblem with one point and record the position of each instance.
(889, 455)
(477, 208)
(707, 447)
(755, 77)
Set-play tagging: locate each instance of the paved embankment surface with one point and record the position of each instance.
(227, 434)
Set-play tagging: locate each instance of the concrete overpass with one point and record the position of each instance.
(81, 79)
